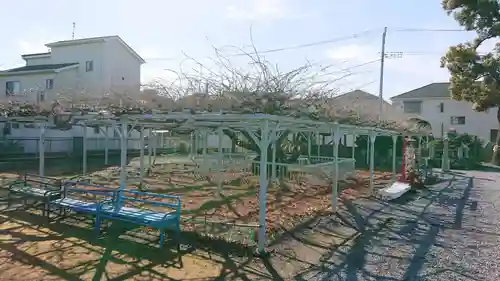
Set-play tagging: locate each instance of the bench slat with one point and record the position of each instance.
(32, 190)
(76, 204)
(137, 214)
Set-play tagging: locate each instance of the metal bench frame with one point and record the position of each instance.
(77, 205)
(48, 190)
(110, 210)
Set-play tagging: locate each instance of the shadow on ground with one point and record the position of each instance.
(397, 241)
(366, 240)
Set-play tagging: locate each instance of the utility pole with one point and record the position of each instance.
(73, 33)
(381, 81)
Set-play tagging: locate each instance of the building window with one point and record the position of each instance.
(97, 130)
(493, 135)
(15, 125)
(49, 84)
(441, 107)
(89, 66)
(42, 96)
(12, 87)
(457, 120)
(412, 107)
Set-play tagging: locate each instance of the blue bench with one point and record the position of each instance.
(38, 188)
(125, 209)
(82, 198)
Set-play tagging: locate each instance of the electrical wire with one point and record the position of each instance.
(422, 53)
(301, 46)
(426, 30)
(329, 41)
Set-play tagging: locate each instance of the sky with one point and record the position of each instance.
(166, 32)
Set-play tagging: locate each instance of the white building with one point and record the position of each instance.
(434, 104)
(90, 66)
(96, 65)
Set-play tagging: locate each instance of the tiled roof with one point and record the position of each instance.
(40, 67)
(434, 90)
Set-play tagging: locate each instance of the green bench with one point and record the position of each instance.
(36, 188)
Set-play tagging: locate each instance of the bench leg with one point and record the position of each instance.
(162, 238)
(97, 226)
(45, 211)
(178, 234)
(9, 199)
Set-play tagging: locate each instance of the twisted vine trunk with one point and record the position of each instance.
(495, 159)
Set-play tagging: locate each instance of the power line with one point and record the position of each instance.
(402, 54)
(301, 46)
(329, 41)
(359, 65)
(426, 30)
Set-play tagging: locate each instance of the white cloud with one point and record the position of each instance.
(29, 47)
(353, 52)
(38, 38)
(401, 74)
(263, 10)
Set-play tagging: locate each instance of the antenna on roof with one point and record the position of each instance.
(73, 33)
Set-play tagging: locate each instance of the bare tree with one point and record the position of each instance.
(255, 86)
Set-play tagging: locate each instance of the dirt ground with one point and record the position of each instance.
(31, 249)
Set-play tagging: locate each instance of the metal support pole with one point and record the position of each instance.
(335, 183)
(372, 138)
(205, 143)
(150, 149)
(141, 157)
(318, 143)
(309, 148)
(106, 146)
(445, 162)
(367, 150)
(264, 144)
(381, 80)
(419, 149)
(394, 141)
(354, 146)
(41, 151)
(155, 144)
(123, 154)
(219, 162)
(84, 154)
(273, 172)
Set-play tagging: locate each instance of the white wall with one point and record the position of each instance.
(39, 60)
(213, 142)
(90, 82)
(114, 70)
(34, 84)
(62, 141)
(476, 123)
(124, 69)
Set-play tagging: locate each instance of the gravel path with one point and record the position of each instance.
(451, 232)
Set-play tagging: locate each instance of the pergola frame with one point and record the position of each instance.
(269, 126)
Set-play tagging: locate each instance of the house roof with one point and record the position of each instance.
(357, 95)
(35, 54)
(434, 90)
(40, 67)
(359, 99)
(96, 40)
(367, 104)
